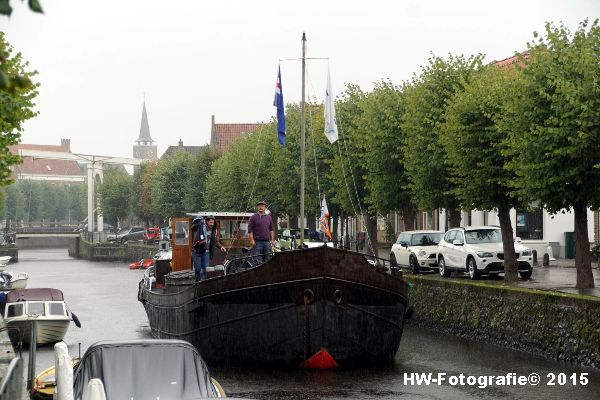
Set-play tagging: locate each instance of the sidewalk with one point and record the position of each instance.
(560, 276)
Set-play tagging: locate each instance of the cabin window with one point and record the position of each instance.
(182, 229)
(57, 309)
(14, 310)
(35, 308)
(243, 229)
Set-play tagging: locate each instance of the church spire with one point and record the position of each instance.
(144, 129)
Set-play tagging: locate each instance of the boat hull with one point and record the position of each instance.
(49, 331)
(286, 310)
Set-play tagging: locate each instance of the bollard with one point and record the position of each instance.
(546, 262)
(534, 254)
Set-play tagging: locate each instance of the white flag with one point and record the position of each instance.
(331, 129)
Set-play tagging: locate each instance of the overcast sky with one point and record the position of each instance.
(192, 59)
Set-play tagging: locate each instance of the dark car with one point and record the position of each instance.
(84, 227)
(132, 234)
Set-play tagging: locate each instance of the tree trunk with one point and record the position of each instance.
(508, 245)
(372, 229)
(454, 217)
(408, 217)
(583, 260)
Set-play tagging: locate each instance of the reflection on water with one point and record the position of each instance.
(104, 296)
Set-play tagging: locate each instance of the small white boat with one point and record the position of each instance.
(13, 280)
(46, 307)
(4, 260)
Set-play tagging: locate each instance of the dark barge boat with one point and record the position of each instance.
(345, 306)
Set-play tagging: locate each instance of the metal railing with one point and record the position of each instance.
(11, 386)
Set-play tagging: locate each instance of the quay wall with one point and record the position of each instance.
(43, 242)
(554, 325)
(130, 252)
(12, 251)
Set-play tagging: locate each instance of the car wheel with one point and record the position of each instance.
(393, 261)
(472, 268)
(442, 265)
(414, 264)
(526, 274)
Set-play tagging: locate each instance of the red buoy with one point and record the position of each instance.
(320, 360)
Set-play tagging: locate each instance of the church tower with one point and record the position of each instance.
(145, 147)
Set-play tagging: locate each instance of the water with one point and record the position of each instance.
(104, 297)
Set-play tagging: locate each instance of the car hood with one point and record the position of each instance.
(428, 249)
(495, 247)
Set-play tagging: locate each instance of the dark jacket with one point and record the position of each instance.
(214, 242)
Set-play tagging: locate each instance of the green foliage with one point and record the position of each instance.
(382, 148)
(200, 168)
(426, 99)
(473, 142)
(16, 104)
(6, 9)
(169, 186)
(114, 195)
(34, 201)
(553, 120)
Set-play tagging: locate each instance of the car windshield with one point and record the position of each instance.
(483, 236)
(122, 231)
(425, 239)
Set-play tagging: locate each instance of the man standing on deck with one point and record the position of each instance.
(262, 233)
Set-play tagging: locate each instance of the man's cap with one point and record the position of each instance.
(197, 221)
(209, 217)
(261, 202)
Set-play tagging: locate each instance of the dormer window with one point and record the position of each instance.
(48, 167)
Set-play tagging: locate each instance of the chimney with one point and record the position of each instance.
(66, 145)
(180, 143)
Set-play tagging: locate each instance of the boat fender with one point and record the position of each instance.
(337, 297)
(309, 296)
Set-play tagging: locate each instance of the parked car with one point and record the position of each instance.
(478, 251)
(84, 227)
(416, 250)
(152, 235)
(289, 238)
(131, 234)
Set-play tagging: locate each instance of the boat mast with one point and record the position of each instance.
(302, 141)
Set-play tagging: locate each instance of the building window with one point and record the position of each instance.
(530, 224)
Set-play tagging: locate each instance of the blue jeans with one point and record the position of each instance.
(261, 249)
(201, 261)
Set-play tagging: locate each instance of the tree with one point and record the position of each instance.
(169, 186)
(382, 150)
(114, 195)
(16, 104)
(473, 144)
(200, 167)
(14, 201)
(553, 122)
(426, 99)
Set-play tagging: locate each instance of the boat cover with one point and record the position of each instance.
(144, 369)
(40, 294)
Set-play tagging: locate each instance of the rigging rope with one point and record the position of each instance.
(370, 243)
(312, 137)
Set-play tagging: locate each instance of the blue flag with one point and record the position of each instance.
(278, 102)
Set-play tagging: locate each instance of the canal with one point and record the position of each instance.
(104, 297)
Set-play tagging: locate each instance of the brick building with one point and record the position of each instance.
(45, 169)
(222, 135)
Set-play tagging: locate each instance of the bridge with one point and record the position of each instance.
(95, 167)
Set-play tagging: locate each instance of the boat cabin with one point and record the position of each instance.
(232, 232)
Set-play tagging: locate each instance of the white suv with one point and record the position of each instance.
(416, 250)
(478, 250)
